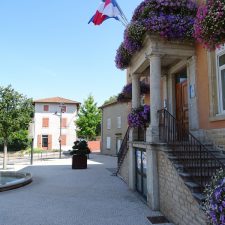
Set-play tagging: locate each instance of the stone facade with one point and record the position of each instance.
(176, 200)
(217, 136)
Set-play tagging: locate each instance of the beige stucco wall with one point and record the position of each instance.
(113, 111)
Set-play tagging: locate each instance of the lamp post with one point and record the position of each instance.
(60, 128)
(31, 135)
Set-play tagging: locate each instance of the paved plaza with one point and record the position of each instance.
(59, 195)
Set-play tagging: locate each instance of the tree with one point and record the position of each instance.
(15, 115)
(89, 118)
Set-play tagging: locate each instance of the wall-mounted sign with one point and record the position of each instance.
(192, 90)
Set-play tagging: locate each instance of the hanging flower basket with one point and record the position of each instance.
(139, 117)
(210, 24)
(126, 94)
(170, 19)
(215, 199)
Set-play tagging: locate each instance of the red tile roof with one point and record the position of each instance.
(56, 100)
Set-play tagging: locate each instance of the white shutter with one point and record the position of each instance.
(108, 123)
(119, 122)
(108, 142)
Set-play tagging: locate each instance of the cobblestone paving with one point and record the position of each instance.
(59, 195)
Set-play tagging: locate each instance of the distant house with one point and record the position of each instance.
(54, 121)
(114, 126)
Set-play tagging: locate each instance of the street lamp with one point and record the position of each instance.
(60, 128)
(31, 135)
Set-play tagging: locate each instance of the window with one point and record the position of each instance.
(119, 122)
(108, 123)
(45, 122)
(63, 109)
(64, 122)
(46, 108)
(221, 78)
(108, 142)
(44, 141)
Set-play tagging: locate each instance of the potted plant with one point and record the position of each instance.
(79, 155)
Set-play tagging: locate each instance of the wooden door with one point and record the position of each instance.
(182, 103)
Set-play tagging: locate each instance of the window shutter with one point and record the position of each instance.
(45, 122)
(50, 142)
(119, 122)
(63, 139)
(64, 122)
(39, 141)
(108, 142)
(108, 123)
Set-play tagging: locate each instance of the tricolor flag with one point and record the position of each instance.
(108, 9)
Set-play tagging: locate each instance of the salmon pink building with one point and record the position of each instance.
(54, 122)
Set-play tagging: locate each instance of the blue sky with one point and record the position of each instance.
(47, 49)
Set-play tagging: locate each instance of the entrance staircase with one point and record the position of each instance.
(122, 151)
(195, 162)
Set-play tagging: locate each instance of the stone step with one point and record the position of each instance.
(199, 197)
(195, 188)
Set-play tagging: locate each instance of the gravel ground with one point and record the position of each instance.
(59, 195)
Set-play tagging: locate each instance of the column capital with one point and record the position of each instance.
(153, 55)
(136, 75)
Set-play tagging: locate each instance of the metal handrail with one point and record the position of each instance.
(123, 150)
(195, 157)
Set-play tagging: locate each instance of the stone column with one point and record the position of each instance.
(131, 157)
(152, 178)
(153, 133)
(132, 135)
(136, 98)
(155, 97)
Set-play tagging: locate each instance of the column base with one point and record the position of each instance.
(152, 134)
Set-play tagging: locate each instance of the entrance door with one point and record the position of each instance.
(182, 103)
(141, 167)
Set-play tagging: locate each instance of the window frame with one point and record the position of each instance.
(220, 52)
(44, 137)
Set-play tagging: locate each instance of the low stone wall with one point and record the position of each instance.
(124, 169)
(217, 136)
(176, 200)
(94, 146)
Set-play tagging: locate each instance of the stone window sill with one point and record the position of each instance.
(217, 117)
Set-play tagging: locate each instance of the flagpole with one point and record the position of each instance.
(122, 14)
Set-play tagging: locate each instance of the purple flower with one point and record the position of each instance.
(139, 117)
(170, 19)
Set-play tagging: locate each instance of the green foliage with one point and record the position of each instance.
(17, 141)
(80, 148)
(89, 118)
(111, 99)
(15, 115)
(15, 112)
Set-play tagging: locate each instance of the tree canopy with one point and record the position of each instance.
(16, 111)
(89, 118)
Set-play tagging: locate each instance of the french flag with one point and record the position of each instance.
(107, 9)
